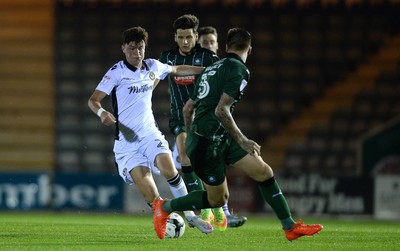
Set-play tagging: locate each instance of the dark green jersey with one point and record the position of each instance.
(179, 93)
(229, 75)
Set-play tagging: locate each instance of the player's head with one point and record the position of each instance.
(185, 28)
(135, 34)
(134, 41)
(238, 40)
(208, 38)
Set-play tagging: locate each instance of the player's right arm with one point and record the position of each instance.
(222, 112)
(94, 104)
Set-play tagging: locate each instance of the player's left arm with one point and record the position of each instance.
(185, 70)
(222, 112)
(188, 111)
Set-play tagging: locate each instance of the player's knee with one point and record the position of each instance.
(168, 171)
(170, 174)
(165, 164)
(264, 172)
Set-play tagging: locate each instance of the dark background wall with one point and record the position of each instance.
(300, 53)
(324, 79)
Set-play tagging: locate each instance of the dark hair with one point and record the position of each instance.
(238, 39)
(135, 34)
(207, 30)
(186, 21)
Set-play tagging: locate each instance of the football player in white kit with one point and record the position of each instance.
(140, 147)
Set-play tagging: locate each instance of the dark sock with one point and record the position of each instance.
(272, 194)
(193, 201)
(192, 182)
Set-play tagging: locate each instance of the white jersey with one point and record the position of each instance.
(131, 90)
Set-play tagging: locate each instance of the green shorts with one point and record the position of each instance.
(209, 158)
(176, 127)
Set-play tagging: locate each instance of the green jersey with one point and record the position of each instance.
(229, 75)
(181, 87)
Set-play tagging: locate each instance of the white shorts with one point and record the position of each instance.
(140, 153)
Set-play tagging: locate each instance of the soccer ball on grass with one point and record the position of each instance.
(175, 226)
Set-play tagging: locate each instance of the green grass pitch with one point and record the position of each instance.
(90, 231)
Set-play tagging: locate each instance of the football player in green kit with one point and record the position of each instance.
(208, 38)
(188, 52)
(214, 141)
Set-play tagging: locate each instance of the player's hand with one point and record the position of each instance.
(251, 147)
(107, 118)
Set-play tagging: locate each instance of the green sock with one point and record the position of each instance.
(273, 195)
(192, 201)
(192, 182)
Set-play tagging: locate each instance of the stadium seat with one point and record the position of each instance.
(297, 57)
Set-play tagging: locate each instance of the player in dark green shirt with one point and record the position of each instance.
(188, 52)
(208, 38)
(214, 141)
(181, 87)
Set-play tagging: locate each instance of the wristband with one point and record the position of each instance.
(100, 111)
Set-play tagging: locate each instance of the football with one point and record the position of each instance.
(175, 226)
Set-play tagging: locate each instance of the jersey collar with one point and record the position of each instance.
(233, 55)
(133, 68)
